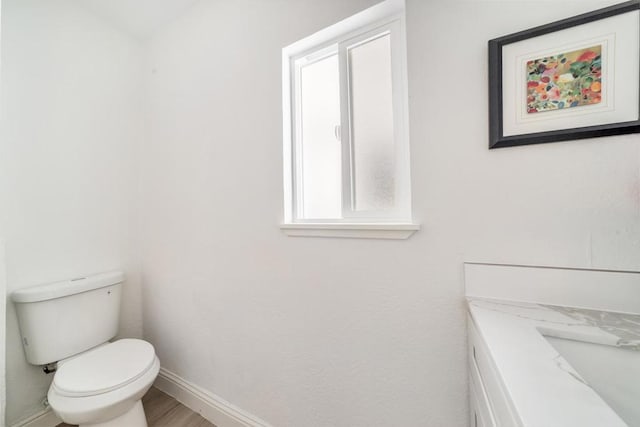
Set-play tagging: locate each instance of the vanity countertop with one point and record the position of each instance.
(544, 389)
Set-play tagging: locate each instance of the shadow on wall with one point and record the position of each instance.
(3, 302)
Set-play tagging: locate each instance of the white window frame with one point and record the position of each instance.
(384, 18)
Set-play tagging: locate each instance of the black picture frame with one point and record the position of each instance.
(497, 139)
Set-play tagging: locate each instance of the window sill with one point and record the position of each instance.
(353, 231)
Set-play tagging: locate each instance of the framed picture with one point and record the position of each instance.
(572, 79)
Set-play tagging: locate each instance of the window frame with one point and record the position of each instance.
(385, 18)
(305, 58)
(402, 208)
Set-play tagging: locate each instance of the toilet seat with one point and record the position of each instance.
(78, 397)
(104, 369)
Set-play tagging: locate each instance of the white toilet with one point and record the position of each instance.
(97, 382)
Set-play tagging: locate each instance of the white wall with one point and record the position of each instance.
(565, 204)
(71, 100)
(319, 332)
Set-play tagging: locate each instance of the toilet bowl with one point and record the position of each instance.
(98, 382)
(103, 386)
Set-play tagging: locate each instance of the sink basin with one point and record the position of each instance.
(613, 372)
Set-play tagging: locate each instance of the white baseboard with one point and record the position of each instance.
(44, 418)
(212, 407)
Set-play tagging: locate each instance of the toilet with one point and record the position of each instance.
(67, 327)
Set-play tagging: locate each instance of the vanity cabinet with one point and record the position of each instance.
(488, 401)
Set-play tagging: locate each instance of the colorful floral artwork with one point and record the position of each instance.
(566, 80)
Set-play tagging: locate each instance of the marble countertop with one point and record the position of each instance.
(544, 389)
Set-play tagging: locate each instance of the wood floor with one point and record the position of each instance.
(163, 410)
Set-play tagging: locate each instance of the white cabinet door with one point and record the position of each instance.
(478, 410)
(493, 403)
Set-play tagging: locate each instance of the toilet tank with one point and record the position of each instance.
(59, 320)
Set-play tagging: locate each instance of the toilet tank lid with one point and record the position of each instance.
(67, 287)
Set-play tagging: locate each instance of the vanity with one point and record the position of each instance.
(551, 347)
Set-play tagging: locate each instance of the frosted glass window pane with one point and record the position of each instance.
(372, 125)
(320, 146)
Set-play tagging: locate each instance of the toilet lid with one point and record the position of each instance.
(105, 368)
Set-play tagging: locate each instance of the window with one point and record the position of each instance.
(345, 125)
